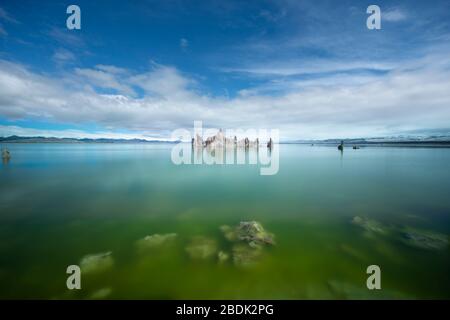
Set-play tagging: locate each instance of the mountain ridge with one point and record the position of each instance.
(408, 140)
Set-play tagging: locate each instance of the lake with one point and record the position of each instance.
(330, 215)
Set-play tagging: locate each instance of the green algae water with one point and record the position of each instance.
(332, 215)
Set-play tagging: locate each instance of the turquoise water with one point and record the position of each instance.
(61, 202)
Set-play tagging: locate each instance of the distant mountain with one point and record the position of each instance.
(19, 139)
(407, 140)
(439, 140)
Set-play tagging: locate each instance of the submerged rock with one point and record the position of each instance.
(318, 291)
(229, 233)
(345, 290)
(101, 293)
(251, 232)
(369, 224)
(201, 248)
(250, 238)
(244, 255)
(353, 252)
(156, 240)
(98, 262)
(427, 240)
(424, 239)
(223, 256)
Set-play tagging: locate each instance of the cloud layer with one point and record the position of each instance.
(410, 96)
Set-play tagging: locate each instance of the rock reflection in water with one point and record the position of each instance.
(232, 155)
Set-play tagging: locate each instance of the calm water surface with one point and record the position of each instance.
(61, 202)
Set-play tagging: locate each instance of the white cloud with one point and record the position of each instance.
(412, 96)
(66, 37)
(8, 130)
(291, 68)
(3, 32)
(5, 16)
(111, 69)
(63, 56)
(163, 81)
(272, 16)
(184, 43)
(104, 77)
(393, 15)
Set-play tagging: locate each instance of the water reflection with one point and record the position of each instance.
(6, 156)
(252, 154)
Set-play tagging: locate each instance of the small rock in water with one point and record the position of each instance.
(251, 232)
(369, 224)
(250, 238)
(416, 238)
(229, 233)
(101, 294)
(156, 240)
(96, 262)
(201, 248)
(425, 239)
(222, 256)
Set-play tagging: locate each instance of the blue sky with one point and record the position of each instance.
(141, 69)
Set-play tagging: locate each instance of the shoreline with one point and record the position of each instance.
(427, 144)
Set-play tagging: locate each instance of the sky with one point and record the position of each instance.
(144, 68)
